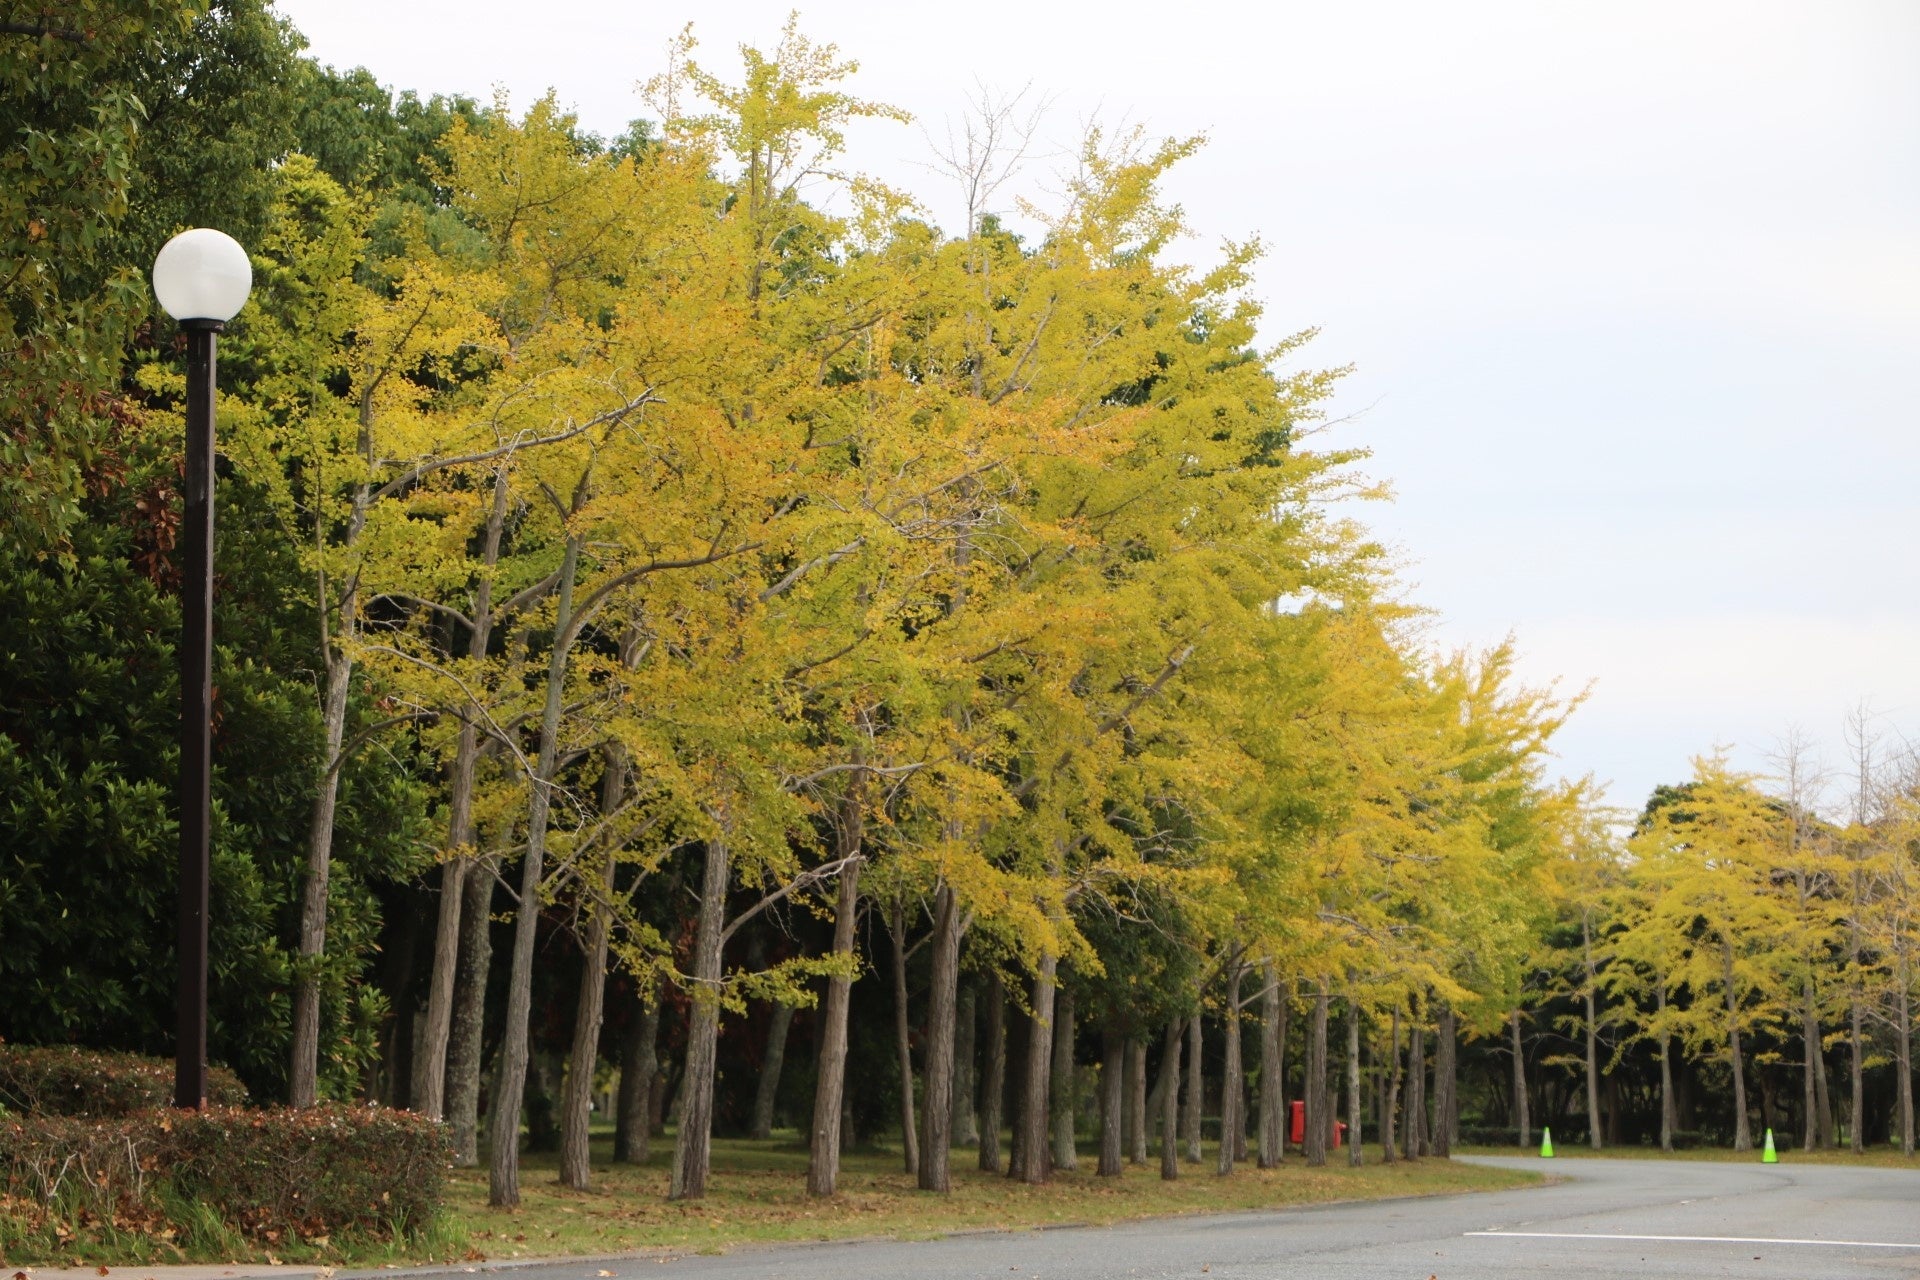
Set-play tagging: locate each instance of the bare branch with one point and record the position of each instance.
(799, 571)
(433, 605)
(825, 871)
(373, 731)
(599, 595)
(29, 29)
(794, 782)
(421, 470)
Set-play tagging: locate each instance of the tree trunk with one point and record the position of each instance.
(1522, 1122)
(503, 1177)
(1030, 1150)
(1319, 1115)
(993, 1083)
(304, 1075)
(543, 1068)
(1314, 1090)
(1153, 1101)
(430, 1060)
(1742, 1132)
(965, 1128)
(693, 1144)
(1387, 1135)
(1413, 1141)
(466, 1048)
(430, 1067)
(1241, 1110)
(1273, 1099)
(639, 1063)
(664, 1093)
(1196, 1087)
(1136, 1108)
(1170, 1103)
(903, 1043)
(1230, 1072)
(935, 1151)
(1856, 1136)
(1771, 1116)
(1827, 1128)
(1666, 1066)
(576, 1104)
(1065, 1155)
(1593, 1038)
(829, 1089)
(1379, 1094)
(1446, 1082)
(1018, 1034)
(1353, 1082)
(1813, 1133)
(1903, 1055)
(1112, 1094)
(767, 1091)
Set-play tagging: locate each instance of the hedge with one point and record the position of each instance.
(65, 1080)
(272, 1175)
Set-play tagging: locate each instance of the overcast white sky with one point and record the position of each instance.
(1632, 289)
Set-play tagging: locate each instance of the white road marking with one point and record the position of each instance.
(1595, 1235)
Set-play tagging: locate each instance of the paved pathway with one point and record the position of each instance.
(1610, 1218)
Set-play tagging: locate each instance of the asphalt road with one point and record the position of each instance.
(1610, 1218)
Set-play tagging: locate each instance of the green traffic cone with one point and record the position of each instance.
(1546, 1144)
(1767, 1154)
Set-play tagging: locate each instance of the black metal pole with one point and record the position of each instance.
(196, 714)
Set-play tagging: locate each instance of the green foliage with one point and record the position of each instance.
(1149, 959)
(387, 148)
(69, 294)
(219, 115)
(368, 138)
(88, 750)
(126, 121)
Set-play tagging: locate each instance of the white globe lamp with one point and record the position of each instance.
(202, 274)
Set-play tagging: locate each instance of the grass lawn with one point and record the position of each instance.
(758, 1193)
(1577, 1149)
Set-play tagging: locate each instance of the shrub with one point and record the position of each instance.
(313, 1171)
(61, 1177)
(268, 1175)
(66, 1080)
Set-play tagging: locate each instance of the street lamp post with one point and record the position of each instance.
(201, 279)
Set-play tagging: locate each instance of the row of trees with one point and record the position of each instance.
(684, 557)
(816, 560)
(1744, 922)
(665, 578)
